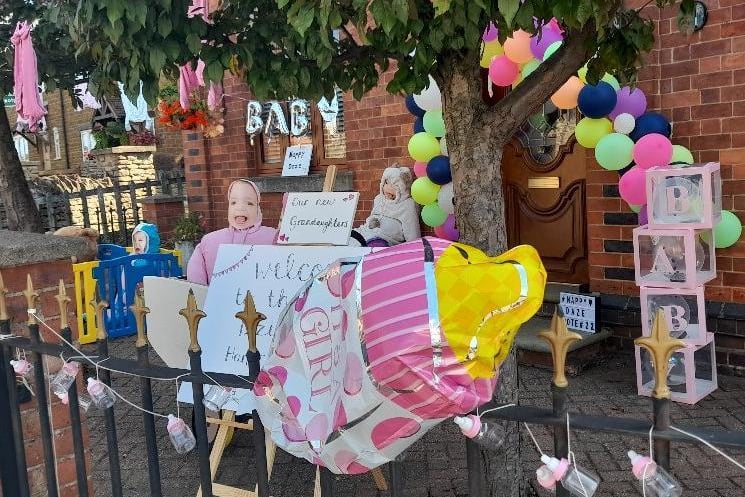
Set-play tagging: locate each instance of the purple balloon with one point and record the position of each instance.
(491, 33)
(449, 231)
(643, 216)
(629, 101)
(549, 36)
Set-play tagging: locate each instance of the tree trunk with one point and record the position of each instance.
(475, 161)
(15, 194)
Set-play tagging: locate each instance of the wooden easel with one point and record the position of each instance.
(251, 320)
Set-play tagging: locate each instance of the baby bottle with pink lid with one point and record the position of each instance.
(577, 480)
(489, 435)
(181, 436)
(22, 367)
(656, 482)
(100, 394)
(64, 379)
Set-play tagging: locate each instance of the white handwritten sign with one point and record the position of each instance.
(317, 218)
(274, 276)
(580, 311)
(297, 160)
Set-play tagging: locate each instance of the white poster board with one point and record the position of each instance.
(167, 330)
(297, 160)
(318, 218)
(579, 311)
(273, 275)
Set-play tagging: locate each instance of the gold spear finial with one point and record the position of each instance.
(32, 298)
(251, 319)
(661, 347)
(98, 307)
(3, 304)
(559, 337)
(139, 310)
(62, 300)
(193, 315)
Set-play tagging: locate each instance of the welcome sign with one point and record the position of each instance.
(317, 218)
(273, 275)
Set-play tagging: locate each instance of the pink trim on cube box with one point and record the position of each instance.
(696, 333)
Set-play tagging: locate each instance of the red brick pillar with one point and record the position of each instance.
(163, 211)
(198, 177)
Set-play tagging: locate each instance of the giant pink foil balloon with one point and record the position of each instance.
(629, 101)
(503, 71)
(632, 186)
(653, 150)
(548, 36)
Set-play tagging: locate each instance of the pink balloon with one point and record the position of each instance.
(653, 150)
(629, 101)
(643, 217)
(448, 230)
(420, 169)
(503, 71)
(347, 464)
(548, 36)
(440, 232)
(491, 33)
(340, 415)
(389, 431)
(632, 186)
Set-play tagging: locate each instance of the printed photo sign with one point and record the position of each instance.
(319, 218)
(297, 160)
(580, 311)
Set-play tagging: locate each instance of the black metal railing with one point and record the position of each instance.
(13, 468)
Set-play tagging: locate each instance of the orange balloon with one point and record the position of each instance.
(566, 96)
(517, 47)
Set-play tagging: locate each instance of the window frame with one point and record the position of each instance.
(56, 143)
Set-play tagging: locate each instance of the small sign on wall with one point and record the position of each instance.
(318, 218)
(297, 160)
(580, 311)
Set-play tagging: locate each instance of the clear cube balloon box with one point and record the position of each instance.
(686, 197)
(691, 376)
(674, 258)
(684, 311)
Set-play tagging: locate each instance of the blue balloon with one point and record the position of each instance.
(438, 170)
(598, 100)
(413, 107)
(419, 125)
(651, 122)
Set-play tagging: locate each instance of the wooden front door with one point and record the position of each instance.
(544, 176)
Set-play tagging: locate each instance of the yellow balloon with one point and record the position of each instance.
(582, 73)
(489, 50)
(590, 131)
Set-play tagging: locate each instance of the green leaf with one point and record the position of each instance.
(304, 77)
(401, 10)
(215, 71)
(282, 3)
(157, 59)
(441, 6)
(171, 48)
(164, 25)
(114, 10)
(508, 9)
(194, 43)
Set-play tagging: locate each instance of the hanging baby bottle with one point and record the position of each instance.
(101, 396)
(181, 436)
(216, 397)
(656, 482)
(64, 379)
(578, 481)
(545, 478)
(22, 367)
(83, 401)
(490, 435)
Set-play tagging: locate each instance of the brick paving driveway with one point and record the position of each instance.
(435, 466)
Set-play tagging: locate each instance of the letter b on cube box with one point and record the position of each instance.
(684, 311)
(689, 197)
(674, 258)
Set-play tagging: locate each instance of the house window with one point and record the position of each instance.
(21, 147)
(327, 135)
(87, 141)
(57, 146)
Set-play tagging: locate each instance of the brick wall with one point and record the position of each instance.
(377, 132)
(164, 211)
(698, 82)
(46, 278)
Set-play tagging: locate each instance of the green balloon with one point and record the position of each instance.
(433, 123)
(727, 231)
(552, 48)
(433, 215)
(528, 68)
(423, 146)
(582, 73)
(608, 78)
(681, 155)
(423, 191)
(635, 208)
(614, 151)
(590, 131)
